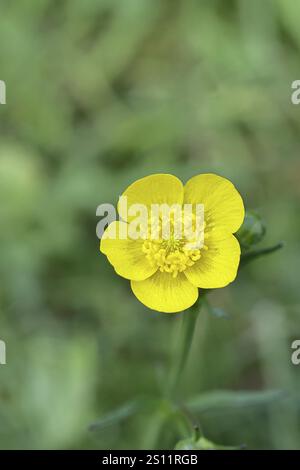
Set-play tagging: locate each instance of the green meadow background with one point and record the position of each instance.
(100, 93)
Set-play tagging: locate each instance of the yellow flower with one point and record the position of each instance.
(165, 274)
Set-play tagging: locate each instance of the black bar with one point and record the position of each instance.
(138, 458)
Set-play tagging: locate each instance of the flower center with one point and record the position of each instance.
(175, 253)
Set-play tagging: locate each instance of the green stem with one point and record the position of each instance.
(166, 408)
(189, 320)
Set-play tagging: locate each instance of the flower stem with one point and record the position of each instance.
(166, 409)
(189, 320)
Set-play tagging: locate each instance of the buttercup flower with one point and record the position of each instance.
(166, 272)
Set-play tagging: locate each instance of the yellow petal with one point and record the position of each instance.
(223, 205)
(164, 293)
(217, 266)
(126, 255)
(153, 189)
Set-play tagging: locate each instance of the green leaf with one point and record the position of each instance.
(232, 399)
(252, 255)
(116, 416)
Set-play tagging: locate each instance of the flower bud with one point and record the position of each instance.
(252, 231)
(201, 444)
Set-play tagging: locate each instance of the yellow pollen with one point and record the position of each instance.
(172, 255)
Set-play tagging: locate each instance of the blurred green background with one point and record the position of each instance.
(100, 93)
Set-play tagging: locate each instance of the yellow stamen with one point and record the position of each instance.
(173, 255)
